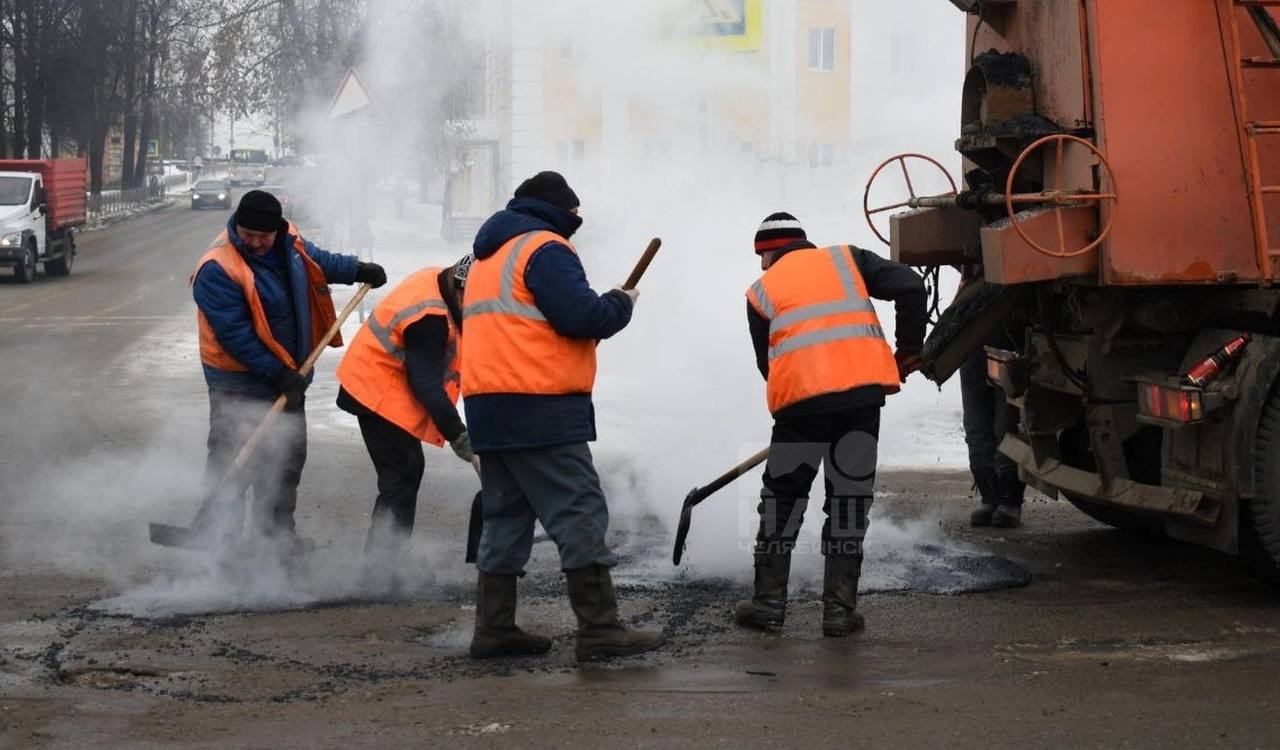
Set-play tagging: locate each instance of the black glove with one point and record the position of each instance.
(371, 274)
(291, 385)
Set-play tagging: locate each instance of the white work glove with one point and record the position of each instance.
(634, 294)
(461, 445)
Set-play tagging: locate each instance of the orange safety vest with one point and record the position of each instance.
(824, 336)
(323, 314)
(373, 369)
(511, 348)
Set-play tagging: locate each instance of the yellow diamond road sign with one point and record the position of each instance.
(353, 102)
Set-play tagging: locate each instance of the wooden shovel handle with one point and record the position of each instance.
(643, 264)
(251, 444)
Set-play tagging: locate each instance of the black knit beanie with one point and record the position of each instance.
(549, 187)
(260, 211)
(778, 230)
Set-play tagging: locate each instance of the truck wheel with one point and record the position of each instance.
(1116, 518)
(25, 271)
(1264, 510)
(60, 266)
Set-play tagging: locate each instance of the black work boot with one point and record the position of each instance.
(496, 632)
(1009, 489)
(840, 595)
(767, 608)
(988, 495)
(600, 633)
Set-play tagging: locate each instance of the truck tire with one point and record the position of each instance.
(1264, 509)
(1116, 518)
(60, 266)
(25, 271)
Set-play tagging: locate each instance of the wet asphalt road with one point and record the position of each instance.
(1113, 641)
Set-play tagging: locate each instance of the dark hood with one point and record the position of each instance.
(523, 215)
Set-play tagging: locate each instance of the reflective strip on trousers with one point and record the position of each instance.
(506, 301)
(383, 333)
(825, 336)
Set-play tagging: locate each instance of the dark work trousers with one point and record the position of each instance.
(273, 471)
(557, 486)
(987, 417)
(844, 444)
(398, 459)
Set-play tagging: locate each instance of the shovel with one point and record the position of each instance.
(476, 525)
(193, 537)
(698, 494)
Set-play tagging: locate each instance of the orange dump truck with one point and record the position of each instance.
(41, 202)
(1120, 210)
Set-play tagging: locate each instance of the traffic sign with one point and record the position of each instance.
(353, 102)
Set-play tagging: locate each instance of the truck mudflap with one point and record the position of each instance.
(1051, 475)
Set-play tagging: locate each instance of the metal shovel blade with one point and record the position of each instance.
(682, 528)
(181, 537)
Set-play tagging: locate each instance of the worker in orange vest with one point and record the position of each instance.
(828, 367)
(263, 304)
(400, 378)
(533, 323)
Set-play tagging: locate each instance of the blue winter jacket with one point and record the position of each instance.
(512, 421)
(281, 281)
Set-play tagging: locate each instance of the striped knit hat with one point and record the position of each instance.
(778, 230)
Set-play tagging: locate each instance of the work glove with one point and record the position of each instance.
(292, 385)
(371, 274)
(632, 294)
(461, 445)
(907, 364)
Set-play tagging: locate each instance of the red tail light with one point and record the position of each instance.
(1170, 404)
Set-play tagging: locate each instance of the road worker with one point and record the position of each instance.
(819, 346)
(529, 365)
(263, 304)
(400, 378)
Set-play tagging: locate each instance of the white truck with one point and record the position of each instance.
(41, 202)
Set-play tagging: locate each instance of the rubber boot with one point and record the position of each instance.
(1007, 517)
(767, 609)
(1011, 489)
(601, 634)
(840, 595)
(985, 479)
(496, 632)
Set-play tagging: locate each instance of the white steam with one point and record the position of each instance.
(678, 398)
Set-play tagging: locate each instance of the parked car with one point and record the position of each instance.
(286, 198)
(210, 194)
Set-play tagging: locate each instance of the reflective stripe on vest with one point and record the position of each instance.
(511, 347)
(373, 371)
(383, 333)
(506, 301)
(824, 335)
(854, 302)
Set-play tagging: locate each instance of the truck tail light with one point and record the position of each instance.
(1170, 404)
(1005, 369)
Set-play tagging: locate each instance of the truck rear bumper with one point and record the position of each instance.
(1051, 475)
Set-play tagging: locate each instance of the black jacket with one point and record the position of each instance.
(425, 342)
(885, 280)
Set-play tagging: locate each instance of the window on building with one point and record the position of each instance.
(822, 49)
(570, 48)
(822, 155)
(571, 154)
(903, 60)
